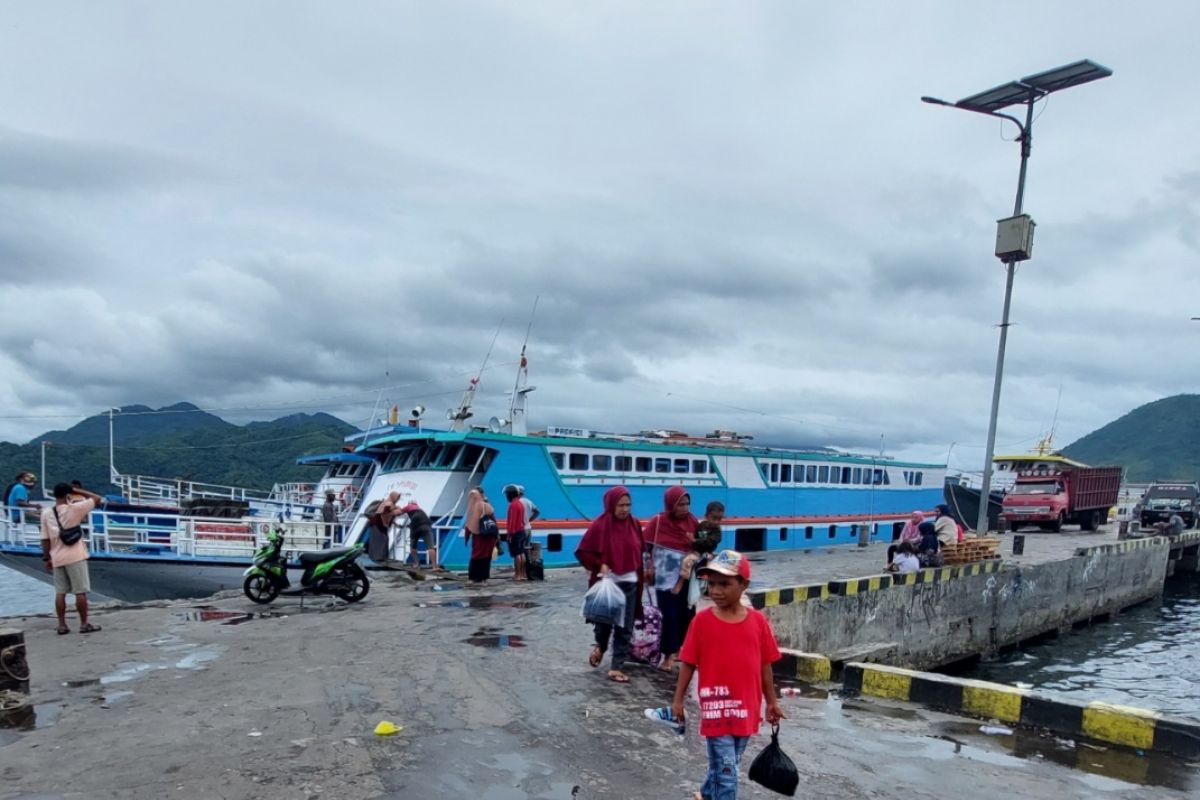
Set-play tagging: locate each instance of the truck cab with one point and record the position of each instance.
(1040, 500)
(1164, 498)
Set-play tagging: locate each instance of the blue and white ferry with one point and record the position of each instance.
(775, 499)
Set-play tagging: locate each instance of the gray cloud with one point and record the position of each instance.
(737, 218)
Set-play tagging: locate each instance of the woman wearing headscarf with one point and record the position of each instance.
(911, 534)
(613, 545)
(669, 535)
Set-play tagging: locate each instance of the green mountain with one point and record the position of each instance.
(1157, 440)
(179, 441)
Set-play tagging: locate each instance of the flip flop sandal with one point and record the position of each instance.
(89, 628)
(596, 657)
(63, 629)
(618, 677)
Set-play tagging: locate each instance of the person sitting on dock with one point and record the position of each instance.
(1172, 527)
(945, 525)
(911, 533)
(906, 559)
(929, 551)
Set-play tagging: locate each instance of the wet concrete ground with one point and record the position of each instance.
(497, 703)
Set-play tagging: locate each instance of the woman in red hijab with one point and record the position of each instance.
(613, 545)
(669, 535)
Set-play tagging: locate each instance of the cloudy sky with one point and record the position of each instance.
(735, 214)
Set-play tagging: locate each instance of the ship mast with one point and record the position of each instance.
(458, 416)
(517, 421)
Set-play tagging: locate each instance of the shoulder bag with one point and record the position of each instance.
(67, 536)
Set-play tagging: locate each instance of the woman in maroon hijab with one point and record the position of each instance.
(669, 535)
(613, 545)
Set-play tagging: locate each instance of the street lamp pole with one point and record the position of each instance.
(1027, 92)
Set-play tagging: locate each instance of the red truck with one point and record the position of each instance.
(1051, 499)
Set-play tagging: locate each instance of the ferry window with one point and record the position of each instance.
(681, 466)
(783, 534)
(414, 457)
(824, 475)
(644, 464)
(471, 454)
(920, 475)
(785, 473)
(557, 458)
(662, 465)
(835, 474)
(887, 478)
(857, 475)
(774, 473)
(448, 455)
(554, 542)
(699, 466)
(429, 455)
(578, 461)
(808, 532)
(601, 463)
(832, 531)
(624, 464)
(811, 474)
(846, 475)
(878, 479)
(766, 471)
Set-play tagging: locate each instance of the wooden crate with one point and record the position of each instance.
(969, 550)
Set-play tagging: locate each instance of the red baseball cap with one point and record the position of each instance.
(729, 562)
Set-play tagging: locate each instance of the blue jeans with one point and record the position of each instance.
(724, 755)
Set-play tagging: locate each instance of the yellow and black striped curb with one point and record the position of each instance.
(808, 667)
(766, 598)
(1185, 538)
(1121, 725)
(1126, 546)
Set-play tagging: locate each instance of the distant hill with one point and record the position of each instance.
(180, 441)
(1157, 440)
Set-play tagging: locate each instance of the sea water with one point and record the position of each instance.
(21, 594)
(1144, 657)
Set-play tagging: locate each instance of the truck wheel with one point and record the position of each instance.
(1091, 521)
(1056, 526)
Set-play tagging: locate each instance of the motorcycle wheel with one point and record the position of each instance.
(354, 584)
(260, 589)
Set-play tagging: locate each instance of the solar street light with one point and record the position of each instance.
(1015, 234)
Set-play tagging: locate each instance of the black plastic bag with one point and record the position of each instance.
(773, 769)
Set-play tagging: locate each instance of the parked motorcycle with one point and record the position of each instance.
(333, 572)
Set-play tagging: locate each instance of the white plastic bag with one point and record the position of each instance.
(605, 603)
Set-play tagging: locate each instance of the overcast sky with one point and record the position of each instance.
(735, 214)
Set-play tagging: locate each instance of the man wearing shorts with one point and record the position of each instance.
(68, 562)
(517, 528)
(420, 527)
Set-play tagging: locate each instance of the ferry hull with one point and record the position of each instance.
(136, 580)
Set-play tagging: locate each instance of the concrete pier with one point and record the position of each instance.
(492, 688)
(939, 616)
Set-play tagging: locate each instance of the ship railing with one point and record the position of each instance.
(149, 489)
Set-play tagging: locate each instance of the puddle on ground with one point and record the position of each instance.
(492, 639)
(75, 684)
(484, 602)
(800, 690)
(1105, 761)
(199, 658)
(893, 712)
(446, 587)
(223, 617)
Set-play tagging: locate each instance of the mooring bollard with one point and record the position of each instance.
(1018, 544)
(1123, 529)
(14, 668)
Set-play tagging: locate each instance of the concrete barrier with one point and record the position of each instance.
(808, 667)
(934, 617)
(1121, 725)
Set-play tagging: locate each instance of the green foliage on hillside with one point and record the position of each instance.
(1157, 440)
(184, 443)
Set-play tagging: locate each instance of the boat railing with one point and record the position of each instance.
(168, 535)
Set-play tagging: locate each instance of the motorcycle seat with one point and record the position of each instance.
(318, 556)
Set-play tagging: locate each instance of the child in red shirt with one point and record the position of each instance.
(733, 648)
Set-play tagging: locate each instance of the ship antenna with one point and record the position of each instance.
(516, 409)
(1046, 445)
(458, 417)
(375, 410)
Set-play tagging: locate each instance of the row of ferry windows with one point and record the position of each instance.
(434, 456)
(825, 473)
(583, 462)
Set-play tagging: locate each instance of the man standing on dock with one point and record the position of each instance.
(68, 562)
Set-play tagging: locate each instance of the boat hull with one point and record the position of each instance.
(136, 580)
